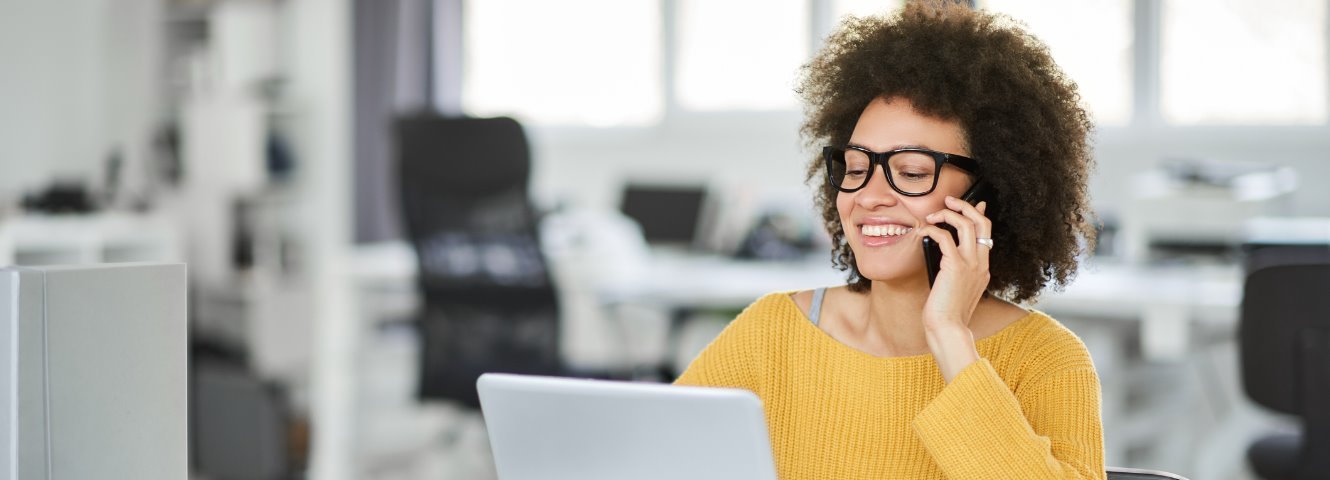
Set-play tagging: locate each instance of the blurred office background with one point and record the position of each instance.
(298, 154)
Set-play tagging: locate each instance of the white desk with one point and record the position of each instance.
(711, 282)
(1167, 300)
(1211, 293)
(672, 279)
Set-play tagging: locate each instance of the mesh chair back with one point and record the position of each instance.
(489, 303)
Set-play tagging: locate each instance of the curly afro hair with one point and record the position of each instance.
(1020, 114)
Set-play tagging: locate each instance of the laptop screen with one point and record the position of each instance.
(669, 215)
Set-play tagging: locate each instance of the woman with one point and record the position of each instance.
(889, 377)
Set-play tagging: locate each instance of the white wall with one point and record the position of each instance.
(317, 44)
(753, 151)
(1124, 152)
(753, 161)
(759, 155)
(77, 79)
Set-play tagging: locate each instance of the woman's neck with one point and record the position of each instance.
(892, 318)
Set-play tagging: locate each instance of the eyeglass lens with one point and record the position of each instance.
(911, 172)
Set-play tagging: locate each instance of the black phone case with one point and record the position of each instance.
(932, 253)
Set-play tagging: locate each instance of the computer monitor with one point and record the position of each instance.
(93, 372)
(669, 215)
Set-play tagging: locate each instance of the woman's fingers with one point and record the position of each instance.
(965, 234)
(945, 242)
(983, 226)
(983, 229)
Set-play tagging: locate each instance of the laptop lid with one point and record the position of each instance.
(670, 216)
(557, 428)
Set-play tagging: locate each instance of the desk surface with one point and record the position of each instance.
(709, 282)
(1207, 293)
(666, 279)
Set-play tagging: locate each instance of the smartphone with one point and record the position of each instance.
(979, 192)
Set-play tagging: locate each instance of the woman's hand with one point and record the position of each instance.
(961, 281)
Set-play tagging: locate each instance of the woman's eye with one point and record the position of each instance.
(855, 172)
(914, 176)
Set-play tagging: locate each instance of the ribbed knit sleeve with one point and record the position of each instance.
(734, 358)
(978, 428)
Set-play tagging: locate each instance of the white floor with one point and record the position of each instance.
(401, 438)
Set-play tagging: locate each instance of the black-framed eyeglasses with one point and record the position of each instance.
(910, 171)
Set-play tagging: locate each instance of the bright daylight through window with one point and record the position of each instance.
(740, 54)
(1240, 62)
(551, 63)
(1092, 41)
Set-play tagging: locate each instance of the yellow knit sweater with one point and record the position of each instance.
(1029, 408)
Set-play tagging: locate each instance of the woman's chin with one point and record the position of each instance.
(890, 267)
(890, 276)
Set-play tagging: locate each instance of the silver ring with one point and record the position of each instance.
(987, 242)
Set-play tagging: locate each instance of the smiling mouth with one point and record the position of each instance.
(884, 230)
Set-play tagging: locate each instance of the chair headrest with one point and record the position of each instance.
(462, 156)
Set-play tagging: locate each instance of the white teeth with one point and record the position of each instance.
(884, 230)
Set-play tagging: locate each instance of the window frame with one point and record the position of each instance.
(1148, 127)
(1145, 122)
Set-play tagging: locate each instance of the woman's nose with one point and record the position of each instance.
(878, 191)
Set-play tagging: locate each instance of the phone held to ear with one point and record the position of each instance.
(978, 192)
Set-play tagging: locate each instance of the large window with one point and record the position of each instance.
(1200, 62)
(740, 54)
(1092, 41)
(1243, 62)
(553, 63)
(860, 8)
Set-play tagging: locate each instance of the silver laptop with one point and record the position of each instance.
(558, 428)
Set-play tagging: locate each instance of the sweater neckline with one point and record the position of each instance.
(979, 343)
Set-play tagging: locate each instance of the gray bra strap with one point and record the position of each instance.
(815, 311)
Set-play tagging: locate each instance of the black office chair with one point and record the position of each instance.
(1284, 336)
(1119, 473)
(489, 304)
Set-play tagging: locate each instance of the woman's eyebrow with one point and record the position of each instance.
(895, 147)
